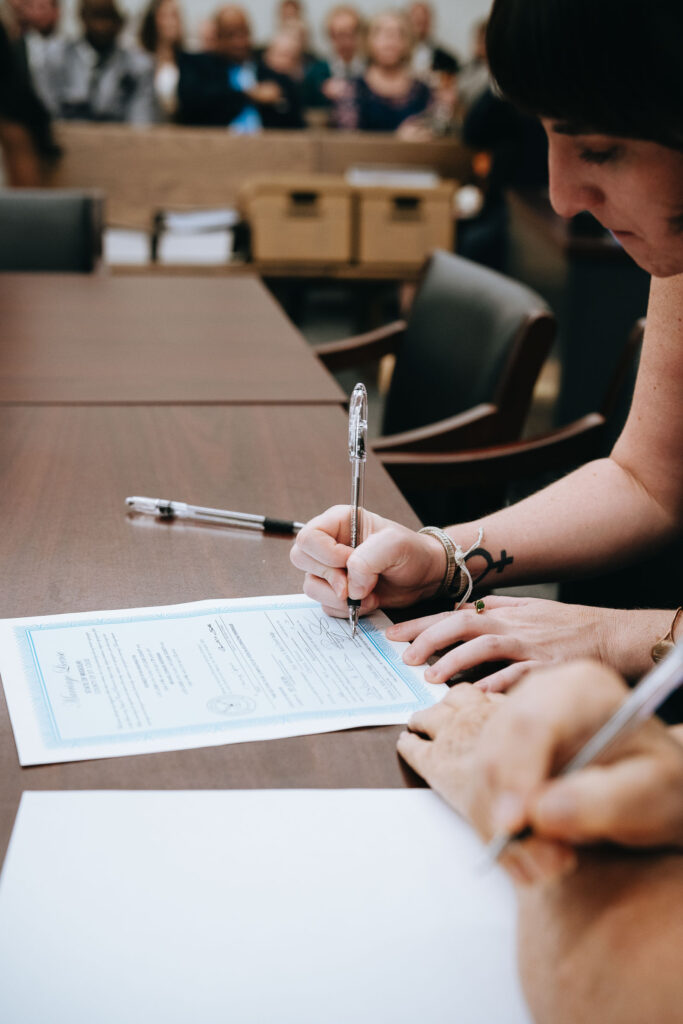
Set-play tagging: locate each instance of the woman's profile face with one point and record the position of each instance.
(633, 187)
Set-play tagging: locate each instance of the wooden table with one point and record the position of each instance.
(108, 340)
(314, 272)
(67, 544)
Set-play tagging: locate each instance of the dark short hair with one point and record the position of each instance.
(612, 67)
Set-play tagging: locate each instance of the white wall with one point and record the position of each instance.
(454, 17)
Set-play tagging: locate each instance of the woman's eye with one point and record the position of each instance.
(599, 156)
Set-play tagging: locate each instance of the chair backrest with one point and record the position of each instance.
(50, 230)
(473, 336)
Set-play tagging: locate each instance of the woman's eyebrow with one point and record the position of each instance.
(565, 128)
(573, 129)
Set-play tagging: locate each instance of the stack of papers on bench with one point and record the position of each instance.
(392, 177)
(195, 236)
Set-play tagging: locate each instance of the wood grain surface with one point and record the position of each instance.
(77, 338)
(67, 544)
(312, 272)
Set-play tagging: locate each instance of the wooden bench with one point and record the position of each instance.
(141, 170)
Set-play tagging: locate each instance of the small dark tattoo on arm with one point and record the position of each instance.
(492, 564)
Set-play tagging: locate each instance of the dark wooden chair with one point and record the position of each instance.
(50, 230)
(494, 467)
(467, 360)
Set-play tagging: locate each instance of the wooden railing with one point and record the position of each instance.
(141, 170)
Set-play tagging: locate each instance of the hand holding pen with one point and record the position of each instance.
(497, 760)
(640, 704)
(358, 430)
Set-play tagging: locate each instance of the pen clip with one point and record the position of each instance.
(358, 424)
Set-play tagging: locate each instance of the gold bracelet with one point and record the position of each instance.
(664, 645)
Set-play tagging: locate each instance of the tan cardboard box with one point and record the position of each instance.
(296, 218)
(403, 225)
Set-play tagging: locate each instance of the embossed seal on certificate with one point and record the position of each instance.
(231, 705)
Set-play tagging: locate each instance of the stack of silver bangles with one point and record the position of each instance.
(457, 580)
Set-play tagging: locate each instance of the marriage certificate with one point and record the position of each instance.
(142, 680)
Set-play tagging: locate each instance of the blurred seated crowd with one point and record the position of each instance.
(388, 74)
(385, 74)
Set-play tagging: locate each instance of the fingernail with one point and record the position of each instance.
(508, 813)
(432, 676)
(555, 808)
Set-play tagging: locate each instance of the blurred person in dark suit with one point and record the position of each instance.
(25, 129)
(31, 24)
(231, 86)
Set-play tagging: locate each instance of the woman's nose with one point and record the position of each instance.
(571, 187)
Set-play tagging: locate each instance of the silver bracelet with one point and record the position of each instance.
(451, 584)
(455, 562)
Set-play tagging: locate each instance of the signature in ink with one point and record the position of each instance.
(329, 637)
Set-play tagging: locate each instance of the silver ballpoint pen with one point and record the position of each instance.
(358, 435)
(218, 516)
(650, 693)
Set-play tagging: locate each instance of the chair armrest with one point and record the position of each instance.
(362, 348)
(560, 449)
(469, 429)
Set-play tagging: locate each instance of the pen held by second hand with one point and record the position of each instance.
(650, 693)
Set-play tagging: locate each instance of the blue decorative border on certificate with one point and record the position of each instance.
(47, 722)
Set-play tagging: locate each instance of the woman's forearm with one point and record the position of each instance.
(586, 522)
(612, 510)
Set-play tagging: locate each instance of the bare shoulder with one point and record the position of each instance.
(604, 944)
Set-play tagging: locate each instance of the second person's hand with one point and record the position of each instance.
(528, 633)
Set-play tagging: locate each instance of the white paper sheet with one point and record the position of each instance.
(141, 680)
(125, 246)
(210, 247)
(262, 907)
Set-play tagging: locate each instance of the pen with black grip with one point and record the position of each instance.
(218, 516)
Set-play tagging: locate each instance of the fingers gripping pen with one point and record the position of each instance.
(358, 431)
